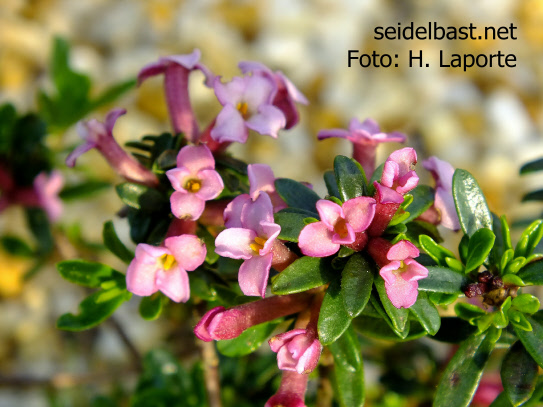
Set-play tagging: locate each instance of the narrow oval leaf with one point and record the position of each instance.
(85, 273)
(533, 196)
(151, 307)
(470, 203)
(292, 222)
(114, 244)
(297, 195)
(532, 273)
(356, 284)
(350, 178)
(331, 184)
(532, 166)
(532, 339)
(302, 275)
(398, 317)
(333, 318)
(82, 190)
(141, 197)
(348, 376)
(426, 313)
(378, 328)
(249, 341)
(519, 374)
(443, 280)
(437, 252)
(479, 247)
(423, 198)
(461, 376)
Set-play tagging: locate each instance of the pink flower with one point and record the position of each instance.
(165, 268)
(247, 104)
(195, 181)
(399, 176)
(443, 173)
(291, 391)
(100, 136)
(47, 188)
(402, 273)
(176, 70)
(365, 136)
(338, 226)
(287, 93)
(251, 237)
(298, 350)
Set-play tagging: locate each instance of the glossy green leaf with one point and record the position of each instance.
(83, 190)
(469, 312)
(398, 317)
(151, 307)
(532, 166)
(529, 239)
(94, 309)
(114, 244)
(518, 320)
(532, 339)
(331, 184)
(454, 330)
(442, 299)
(292, 222)
(513, 279)
(502, 242)
(350, 178)
(437, 252)
(297, 195)
(356, 284)
(532, 273)
(87, 273)
(442, 280)
(348, 374)
(479, 247)
(378, 328)
(426, 313)
(141, 197)
(519, 374)
(471, 206)
(461, 376)
(305, 273)
(249, 341)
(533, 196)
(526, 303)
(333, 318)
(423, 198)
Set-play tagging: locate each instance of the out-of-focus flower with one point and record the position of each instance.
(165, 268)
(247, 104)
(338, 226)
(297, 350)
(287, 94)
(100, 136)
(47, 187)
(251, 237)
(195, 181)
(365, 137)
(443, 173)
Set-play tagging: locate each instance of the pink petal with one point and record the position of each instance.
(152, 69)
(387, 195)
(406, 158)
(253, 275)
(232, 92)
(189, 251)
(329, 212)
(348, 239)
(285, 360)
(47, 188)
(211, 184)
(174, 283)
(251, 66)
(112, 117)
(229, 126)
(415, 271)
(254, 213)
(445, 203)
(271, 231)
(391, 171)
(186, 204)
(201, 330)
(315, 240)
(78, 151)
(195, 158)
(141, 272)
(341, 133)
(310, 358)
(442, 172)
(407, 182)
(388, 272)
(261, 178)
(178, 177)
(268, 121)
(368, 126)
(402, 293)
(292, 90)
(279, 340)
(359, 212)
(234, 243)
(259, 90)
(232, 212)
(187, 61)
(402, 250)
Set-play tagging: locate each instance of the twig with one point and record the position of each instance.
(134, 353)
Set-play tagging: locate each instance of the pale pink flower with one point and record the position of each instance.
(165, 268)
(297, 350)
(399, 176)
(47, 188)
(195, 181)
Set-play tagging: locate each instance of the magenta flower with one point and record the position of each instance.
(195, 181)
(338, 226)
(443, 173)
(165, 268)
(298, 350)
(251, 237)
(176, 70)
(365, 136)
(247, 104)
(100, 136)
(399, 176)
(291, 391)
(402, 273)
(287, 94)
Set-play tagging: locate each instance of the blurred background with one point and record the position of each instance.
(486, 120)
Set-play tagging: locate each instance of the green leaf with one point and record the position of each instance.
(15, 246)
(331, 184)
(112, 93)
(533, 196)
(249, 341)
(454, 330)
(8, 117)
(292, 222)
(356, 284)
(512, 279)
(532, 273)
(470, 203)
(437, 252)
(139, 196)
(398, 317)
(518, 320)
(333, 318)
(518, 374)
(426, 313)
(463, 373)
(114, 244)
(94, 309)
(83, 190)
(378, 328)
(442, 280)
(423, 198)
(529, 239)
(151, 307)
(348, 374)
(297, 195)
(350, 178)
(526, 303)
(41, 229)
(532, 166)
(479, 247)
(532, 339)
(469, 312)
(86, 273)
(302, 275)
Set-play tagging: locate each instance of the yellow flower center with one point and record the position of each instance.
(243, 108)
(341, 228)
(193, 185)
(168, 261)
(258, 244)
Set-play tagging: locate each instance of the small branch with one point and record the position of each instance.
(134, 353)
